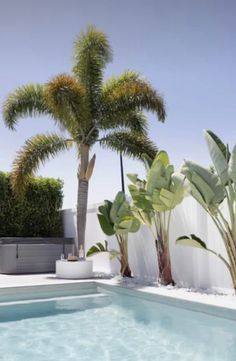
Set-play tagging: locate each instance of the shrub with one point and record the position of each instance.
(37, 214)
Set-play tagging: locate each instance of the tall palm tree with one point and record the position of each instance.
(89, 111)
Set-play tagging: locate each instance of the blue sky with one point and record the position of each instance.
(185, 48)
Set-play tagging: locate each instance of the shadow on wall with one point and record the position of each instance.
(192, 267)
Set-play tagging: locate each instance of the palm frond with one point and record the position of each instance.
(123, 78)
(28, 100)
(131, 92)
(66, 97)
(132, 120)
(91, 54)
(130, 143)
(35, 151)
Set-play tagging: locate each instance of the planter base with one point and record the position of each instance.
(74, 270)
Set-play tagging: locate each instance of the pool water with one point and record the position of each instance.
(112, 328)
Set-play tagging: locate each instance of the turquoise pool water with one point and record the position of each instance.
(112, 328)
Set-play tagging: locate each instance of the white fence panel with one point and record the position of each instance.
(191, 267)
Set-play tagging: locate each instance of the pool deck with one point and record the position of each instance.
(172, 295)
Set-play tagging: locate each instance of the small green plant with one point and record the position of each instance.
(116, 218)
(153, 201)
(210, 187)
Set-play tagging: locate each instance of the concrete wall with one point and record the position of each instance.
(191, 267)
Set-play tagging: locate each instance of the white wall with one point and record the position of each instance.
(191, 267)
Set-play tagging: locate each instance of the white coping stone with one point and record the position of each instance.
(224, 301)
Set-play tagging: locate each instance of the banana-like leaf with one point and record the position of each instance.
(224, 148)
(218, 157)
(89, 170)
(100, 248)
(135, 180)
(129, 223)
(197, 195)
(123, 210)
(178, 187)
(117, 217)
(105, 210)
(143, 216)
(163, 190)
(155, 173)
(167, 198)
(134, 191)
(203, 187)
(118, 202)
(169, 171)
(106, 226)
(97, 248)
(194, 241)
(232, 165)
(170, 198)
(206, 185)
(132, 177)
(147, 161)
(163, 157)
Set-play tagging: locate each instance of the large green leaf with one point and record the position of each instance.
(117, 217)
(106, 226)
(130, 223)
(197, 195)
(143, 216)
(118, 202)
(218, 157)
(192, 241)
(157, 202)
(224, 148)
(203, 180)
(154, 176)
(232, 165)
(163, 157)
(105, 210)
(97, 248)
(203, 187)
(124, 209)
(132, 177)
(147, 161)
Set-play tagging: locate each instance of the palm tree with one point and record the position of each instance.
(89, 110)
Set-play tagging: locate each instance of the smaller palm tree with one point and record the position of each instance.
(89, 111)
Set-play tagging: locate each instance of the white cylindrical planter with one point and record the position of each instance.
(101, 263)
(74, 270)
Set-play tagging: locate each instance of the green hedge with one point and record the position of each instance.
(37, 215)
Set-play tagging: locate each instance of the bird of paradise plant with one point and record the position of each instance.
(211, 188)
(153, 201)
(116, 218)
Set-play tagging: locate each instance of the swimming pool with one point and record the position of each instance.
(108, 326)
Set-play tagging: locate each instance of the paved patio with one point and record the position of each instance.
(33, 280)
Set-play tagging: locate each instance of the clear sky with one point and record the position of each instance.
(186, 48)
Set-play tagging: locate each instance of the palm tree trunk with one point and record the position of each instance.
(82, 198)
